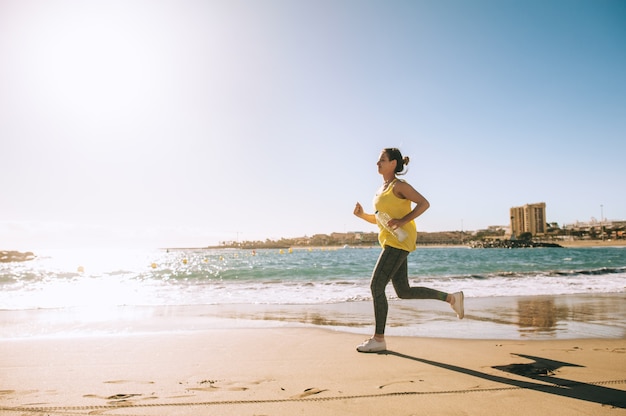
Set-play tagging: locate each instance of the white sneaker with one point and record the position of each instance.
(371, 345)
(458, 304)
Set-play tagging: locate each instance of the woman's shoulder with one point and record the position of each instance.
(401, 187)
(401, 182)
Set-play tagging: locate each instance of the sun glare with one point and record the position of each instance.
(94, 279)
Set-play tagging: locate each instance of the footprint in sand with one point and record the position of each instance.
(396, 382)
(309, 392)
(614, 350)
(114, 397)
(127, 381)
(214, 385)
(121, 398)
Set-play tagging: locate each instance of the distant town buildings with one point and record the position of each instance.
(530, 218)
(528, 223)
(596, 229)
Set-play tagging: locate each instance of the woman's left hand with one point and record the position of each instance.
(395, 223)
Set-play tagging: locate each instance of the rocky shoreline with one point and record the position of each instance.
(14, 256)
(511, 244)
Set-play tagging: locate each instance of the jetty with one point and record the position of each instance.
(15, 256)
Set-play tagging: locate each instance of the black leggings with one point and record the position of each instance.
(392, 265)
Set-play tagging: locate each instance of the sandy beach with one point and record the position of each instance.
(593, 243)
(235, 366)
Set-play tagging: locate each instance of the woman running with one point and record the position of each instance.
(397, 236)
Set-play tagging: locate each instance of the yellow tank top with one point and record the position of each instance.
(396, 207)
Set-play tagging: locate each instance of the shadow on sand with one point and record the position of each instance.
(541, 369)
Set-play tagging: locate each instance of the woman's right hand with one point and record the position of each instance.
(358, 210)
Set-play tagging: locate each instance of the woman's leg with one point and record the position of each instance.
(400, 282)
(390, 260)
(392, 265)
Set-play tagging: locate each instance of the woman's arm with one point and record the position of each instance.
(403, 190)
(358, 211)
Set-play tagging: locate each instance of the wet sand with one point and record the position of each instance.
(516, 356)
(520, 317)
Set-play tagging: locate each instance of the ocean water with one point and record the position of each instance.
(110, 278)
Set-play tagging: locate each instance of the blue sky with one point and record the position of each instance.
(186, 123)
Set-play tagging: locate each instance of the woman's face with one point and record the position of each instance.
(385, 165)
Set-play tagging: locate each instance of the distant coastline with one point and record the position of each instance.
(494, 237)
(7, 256)
(284, 244)
(593, 243)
